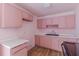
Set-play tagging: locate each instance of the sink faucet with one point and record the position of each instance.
(53, 32)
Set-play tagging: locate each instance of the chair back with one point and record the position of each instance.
(69, 48)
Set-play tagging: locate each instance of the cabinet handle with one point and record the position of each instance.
(28, 20)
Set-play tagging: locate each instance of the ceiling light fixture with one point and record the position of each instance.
(46, 5)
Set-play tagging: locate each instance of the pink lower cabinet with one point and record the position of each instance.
(45, 42)
(37, 40)
(0, 50)
(55, 43)
(20, 50)
(49, 42)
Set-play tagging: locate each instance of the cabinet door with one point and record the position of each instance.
(61, 21)
(49, 21)
(37, 40)
(52, 22)
(45, 42)
(22, 52)
(27, 16)
(41, 23)
(70, 21)
(11, 16)
(55, 43)
(0, 14)
(56, 20)
(0, 50)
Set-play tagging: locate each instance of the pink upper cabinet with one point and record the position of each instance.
(11, 16)
(60, 22)
(49, 21)
(52, 21)
(41, 23)
(66, 22)
(70, 21)
(55, 20)
(27, 16)
(63, 22)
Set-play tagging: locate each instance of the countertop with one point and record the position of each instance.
(61, 36)
(13, 42)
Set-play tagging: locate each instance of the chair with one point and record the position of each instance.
(69, 48)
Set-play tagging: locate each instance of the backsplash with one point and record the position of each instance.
(26, 29)
(8, 33)
(58, 31)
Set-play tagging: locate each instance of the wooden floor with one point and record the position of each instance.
(40, 51)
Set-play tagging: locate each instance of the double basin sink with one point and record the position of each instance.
(63, 35)
(52, 34)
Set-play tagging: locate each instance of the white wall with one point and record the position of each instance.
(77, 21)
(27, 31)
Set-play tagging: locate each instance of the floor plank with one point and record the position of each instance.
(41, 51)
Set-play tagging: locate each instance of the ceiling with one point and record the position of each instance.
(43, 9)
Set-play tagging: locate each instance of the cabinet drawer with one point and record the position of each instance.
(22, 52)
(18, 48)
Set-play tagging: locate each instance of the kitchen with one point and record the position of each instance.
(46, 25)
